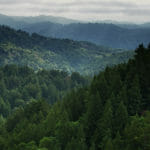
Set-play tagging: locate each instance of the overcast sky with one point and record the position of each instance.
(92, 10)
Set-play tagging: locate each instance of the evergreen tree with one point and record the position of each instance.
(92, 146)
(49, 143)
(134, 97)
(94, 112)
(117, 142)
(121, 118)
(4, 107)
(104, 126)
(109, 145)
(75, 145)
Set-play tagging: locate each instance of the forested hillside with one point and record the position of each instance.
(21, 85)
(113, 113)
(38, 52)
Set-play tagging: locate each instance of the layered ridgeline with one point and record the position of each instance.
(116, 36)
(19, 22)
(113, 113)
(107, 33)
(38, 52)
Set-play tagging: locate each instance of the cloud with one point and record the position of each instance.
(125, 10)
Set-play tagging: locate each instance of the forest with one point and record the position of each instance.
(39, 52)
(110, 113)
(21, 85)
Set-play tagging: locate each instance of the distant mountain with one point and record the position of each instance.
(43, 18)
(99, 33)
(9, 21)
(44, 28)
(133, 26)
(19, 22)
(125, 24)
(39, 52)
(112, 33)
(146, 25)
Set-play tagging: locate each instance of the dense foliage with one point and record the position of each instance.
(20, 85)
(113, 113)
(18, 47)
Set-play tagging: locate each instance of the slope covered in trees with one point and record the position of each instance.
(20, 85)
(113, 113)
(18, 47)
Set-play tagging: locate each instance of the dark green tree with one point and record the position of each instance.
(120, 118)
(134, 97)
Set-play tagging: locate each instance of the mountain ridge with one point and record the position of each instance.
(99, 33)
(112, 34)
(49, 53)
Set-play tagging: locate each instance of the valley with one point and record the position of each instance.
(68, 84)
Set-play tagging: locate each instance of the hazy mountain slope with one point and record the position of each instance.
(40, 52)
(102, 34)
(9, 21)
(115, 34)
(19, 22)
(146, 25)
(43, 18)
(44, 28)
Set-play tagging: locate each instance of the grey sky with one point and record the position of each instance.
(92, 10)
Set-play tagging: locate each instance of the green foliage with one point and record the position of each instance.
(134, 97)
(137, 133)
(76, 145)
(38, 52)
(122, 117)
(20, 85)
(113, 113)
(117, 142)
(109, 145)
(27, 146)
(49, 143)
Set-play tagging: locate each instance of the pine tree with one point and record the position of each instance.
(118, 142)
(4, 107)
(93, 115)
(104, 126)
(92, 146)
(74, 144)
(134, 97)
(108, 145)
(121, 118)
